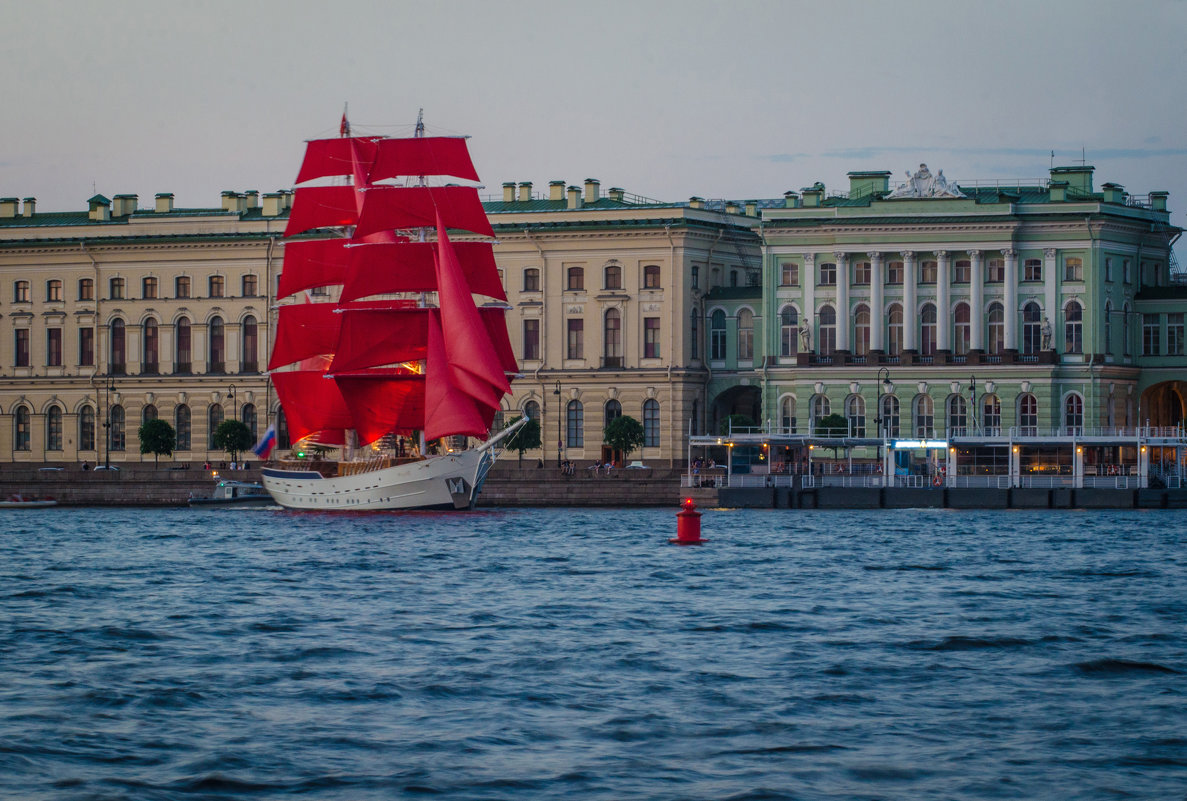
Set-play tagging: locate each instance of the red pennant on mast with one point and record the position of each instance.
(344, 128)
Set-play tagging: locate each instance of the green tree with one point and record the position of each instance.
(526, 438)
(234, 437)
(624, 433)
(737, 421)
(833, 425)
(158, 438)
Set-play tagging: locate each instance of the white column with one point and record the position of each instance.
(808, 279)
(842, 301)
(877, 316)
(977, 301)
(910, 312)
(1049, 283)
(943, 303)
(1011, 299)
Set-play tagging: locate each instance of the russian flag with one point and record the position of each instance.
(266, 443)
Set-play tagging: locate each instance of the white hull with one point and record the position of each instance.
(451, 481)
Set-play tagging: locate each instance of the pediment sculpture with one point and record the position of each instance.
(923, 184)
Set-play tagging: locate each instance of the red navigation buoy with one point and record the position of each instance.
(688, 525)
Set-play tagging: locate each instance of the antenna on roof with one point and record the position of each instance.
(1083, 156)
(1052, 159)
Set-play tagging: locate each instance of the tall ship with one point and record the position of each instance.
(412, 357)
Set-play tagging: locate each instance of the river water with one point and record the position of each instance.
(573, 653)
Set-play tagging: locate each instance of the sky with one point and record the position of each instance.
(741, 100)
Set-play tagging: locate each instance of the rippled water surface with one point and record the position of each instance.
(522, 654)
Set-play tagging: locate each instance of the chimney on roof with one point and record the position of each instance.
(1058, 191)
(273, 204)
(813, 195)
(616, 193)
(1158, 200)
(30, 206)
(164, 203)
(574, 198)
(287, 198)
(1114, 193)
(8, 206)
(234, 202)
(751, 208)
(731, 207)
(252, 198)
(791, 200)
(695, 202)
(99, 209)
(556, 190)
(525, 191)
(509, 191)
(124, 205)
(592, 187)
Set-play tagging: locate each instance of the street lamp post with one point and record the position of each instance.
(973, 403)
(234, 410)
(557, 392)
(108, 387)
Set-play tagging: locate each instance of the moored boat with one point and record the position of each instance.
(18, 501)
(235, 493)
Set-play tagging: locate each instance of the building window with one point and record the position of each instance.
(733, 277)
(962, 271)
(1073, 269)
(961, 329)
(787, 415)
(694, 332)
(53, 347)
(149, 288)
(576, 339)
(890, 416)
(20, 292)
(995, 271)
(611, 412)
(151, 361)
(745, 322)
(116, 289)
(183, 361)
(575, 425)
(958, 416)
(995, 342)
(531, 340)
(651, 337)
(86, 347)
(1032, 270)
(531, 279)
(991, 415)
(717, 336)
(613, 338)
(1032, 328)
(575, 279)
(148, 413)
(894, 272)
(1073, 415)
(53, 290)
(181, 286)
(1151, 334)
(118, 358)
(1073, 341)
(1028, 414)
(861, 273)
(22, 424)
(282, 430)
(248, 416)
(21, 348)
(828, 274)
(1108, 326)
(1127, 269)
(612, 277)
(894, 330)
(788, 331)
(217, 355)
(118, 434)
(531, 410)
(216, 286)
(1174, 334)
(651, 276)
(789, 274)
(86, 289)
(927, 330)
(695, 278)
(86, 428)
(855, 414)
(925, 412)
(182, 426)
(828, 331)
(1108, 269)
(1126, 339)
(821, 408)
(250, 363)
(861, 330)
(250, 285)
(214, 418)
(651, 423)
(928, 271)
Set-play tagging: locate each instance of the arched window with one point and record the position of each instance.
(218, 347)
(861, 330)
(613, 338)
(745, 335)
(612, 277)
(996, 329)
(788, 331)
(1028, 414)
(651, 276)
(927, 330)
(894, 330)
(250, 363)
(22, 428)
(613, 410)
(1126, 339)
(249, 418)
(575, 425)
(118, 429)
(1032, 328)
(651, 423)
(531, 410)
(181, 424)
(1108, 326)
(214, 417)
(183, 360)
(695, 334)
(991, 415)
(150, 364)
(958, 417)
(1073, 415)
(86, 428)
(855, 413)
(961, 329)
(1073, 328)
(925, 414)
(117, 363)
(821, 408)
(149, 412)
(787, 415)
(717, 336)
(828, 331)
(531, 279)
(890, 416)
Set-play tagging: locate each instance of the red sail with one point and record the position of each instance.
(448, 410)
(312, 263)
(495, 320)
(372, 338)
(322, 207)
(408, 267)
(430, 155)
(304, 330)
(383, 403)
(333, 157)
(394, 207)
(312, 403)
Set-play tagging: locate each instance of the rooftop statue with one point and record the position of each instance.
(924, 184)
